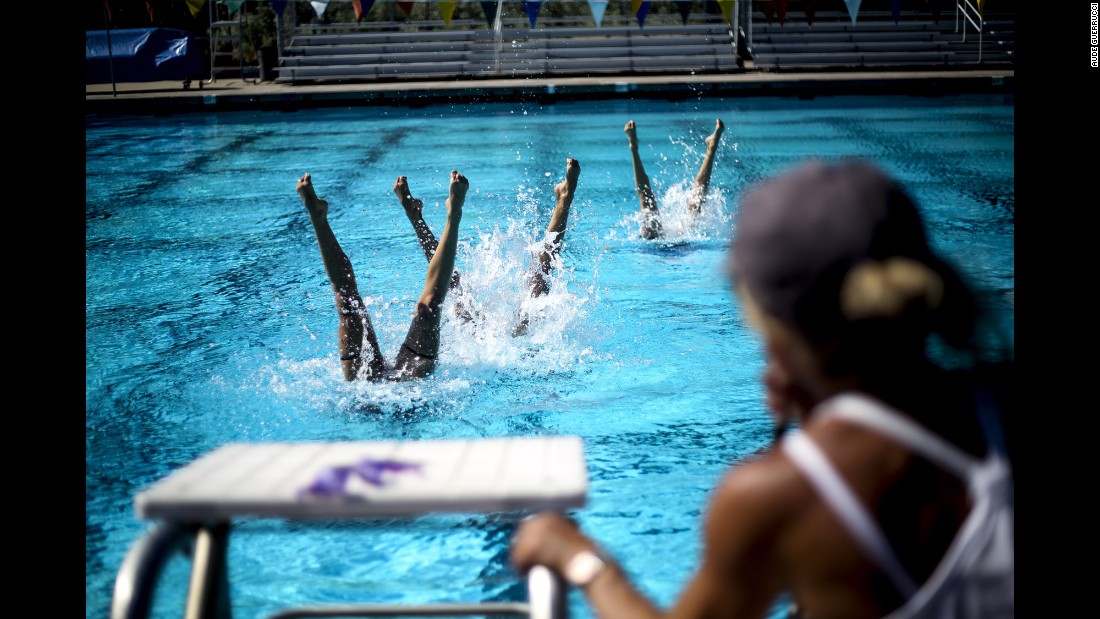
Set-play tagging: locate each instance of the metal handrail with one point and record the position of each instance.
(135, 584)
(137, 579)
(965, 7)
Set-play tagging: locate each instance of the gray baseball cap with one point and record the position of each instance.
(797, 235)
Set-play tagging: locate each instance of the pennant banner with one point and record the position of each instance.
(279, 6)
(775, 8)
(233, 5)
(490, 10)
(447, 7)
(597, 7)
(195, 5)
(810, 9)
(406, 7)
(684, 7)
(727, 7)
(532, 9)
(895, 10)
(319, 6)
(853, 8)
(640, 8)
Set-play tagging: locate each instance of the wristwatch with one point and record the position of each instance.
(583, 568)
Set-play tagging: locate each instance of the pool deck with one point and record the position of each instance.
(238, 94)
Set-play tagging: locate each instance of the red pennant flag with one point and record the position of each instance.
(149, 8)
(107, 7)
(810, 10)
(407, 7)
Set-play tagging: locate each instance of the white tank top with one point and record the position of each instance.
(975, 578)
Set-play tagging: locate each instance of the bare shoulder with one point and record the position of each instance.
(760, 495)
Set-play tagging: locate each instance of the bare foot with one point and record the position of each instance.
(568, 187)
(631, 134)
(457, 193)
(316, 206)
(413, 206)
(712, 139)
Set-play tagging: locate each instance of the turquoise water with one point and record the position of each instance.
(209, 318)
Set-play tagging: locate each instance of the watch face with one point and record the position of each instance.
(583, 568)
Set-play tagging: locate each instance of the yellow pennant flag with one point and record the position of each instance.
(195, 5)
(447, 7)
(634, 4)
(726, 6)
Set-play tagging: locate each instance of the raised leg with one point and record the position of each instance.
(355, 326)
(702, 179)
(414, 210)
(418, 353)
(651, 218)
(555, 234)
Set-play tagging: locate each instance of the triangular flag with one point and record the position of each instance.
(980, 3)
(233, 5)
(895, 9)
(684, 7)
(362, 7)
(490, 10)
(279, 6)
(810, 9)
(149, 8)
(195, 5)
(773, 8)
(319, 6)
(853, 8)
(447, 7)
(640, 8)
(726, 6)
(597, 7)
(768, 9)
(406, 7)
(107, 7)
(532, 9)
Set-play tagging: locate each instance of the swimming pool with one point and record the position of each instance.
(209, 318)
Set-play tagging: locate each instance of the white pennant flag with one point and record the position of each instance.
(319, 7)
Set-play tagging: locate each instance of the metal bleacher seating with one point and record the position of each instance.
(704, 44)
(518, 50)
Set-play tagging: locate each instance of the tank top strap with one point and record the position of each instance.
(813, 463)
(873, 414)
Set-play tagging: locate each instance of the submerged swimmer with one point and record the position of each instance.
(651, 217)
(357, 339)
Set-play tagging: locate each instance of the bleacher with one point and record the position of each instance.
(704, 44)
(467, 51)
(875, 41)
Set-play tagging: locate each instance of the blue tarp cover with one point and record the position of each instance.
(141, 55)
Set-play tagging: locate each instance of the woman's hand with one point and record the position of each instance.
(548, 539)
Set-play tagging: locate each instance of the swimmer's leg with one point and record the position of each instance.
(651, 218)
(702, 179)
(414, 210)
(555, 234)
(421, 347)
(355, 325)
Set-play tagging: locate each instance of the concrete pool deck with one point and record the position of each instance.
(238, 94)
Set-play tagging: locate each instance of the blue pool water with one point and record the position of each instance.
(209, 318)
